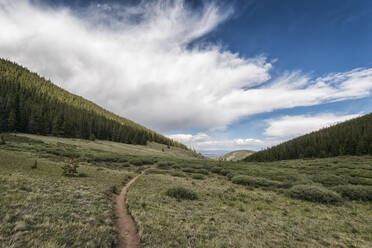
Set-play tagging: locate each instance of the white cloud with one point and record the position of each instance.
(290, 126)
(135, 62)
(202, 141)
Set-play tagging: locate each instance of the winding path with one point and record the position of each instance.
(128, 236)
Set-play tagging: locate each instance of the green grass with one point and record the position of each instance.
(259, 211)
(236, 205)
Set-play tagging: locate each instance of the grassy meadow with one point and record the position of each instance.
(180, 201)
(260, 212)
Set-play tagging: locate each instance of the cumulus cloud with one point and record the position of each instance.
(290, 126)
(203, 141)
(136, 61)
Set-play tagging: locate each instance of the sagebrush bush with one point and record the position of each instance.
(254, 181)
(197, 176)
(147, 161)
(190, 170)
(314, 193)
(155, 171)
(216, 169)
(224, 172)
(125, 165)
(70, 169)
(329, 180)
(82, 174)
(355, 192)
(34, 165)
(203, 171)
(136, 161)
(181, 193)
(177, 174)
(114, 189)
(164, 165)
(2, 140)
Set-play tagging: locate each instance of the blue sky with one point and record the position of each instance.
(216, 75)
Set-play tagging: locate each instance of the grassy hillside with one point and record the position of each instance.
(236, 155)
(32, 104)
(353, 137)
(180, 200)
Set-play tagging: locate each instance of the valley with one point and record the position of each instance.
(233, 204)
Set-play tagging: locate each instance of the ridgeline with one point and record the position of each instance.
(32, 104)
(353, 137)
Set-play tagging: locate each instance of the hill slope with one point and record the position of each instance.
(353, 137)
(32, 104)
(236, 155)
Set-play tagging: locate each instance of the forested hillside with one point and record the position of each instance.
(353, 137)
(32, 104)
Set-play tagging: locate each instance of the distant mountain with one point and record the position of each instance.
(32, 104)
(212, 153)
(353, 137)
(236, 155)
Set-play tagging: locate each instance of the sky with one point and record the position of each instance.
(214, 75)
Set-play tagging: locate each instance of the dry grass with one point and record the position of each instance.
(41, 208)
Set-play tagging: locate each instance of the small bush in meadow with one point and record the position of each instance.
(125, 165)
(155, 171)
(216, 169)
(224, 172)
(177, 174)
(314, 193)
(164, 165)
(70, 169)
(114, 189)
(181, 193)
(355, 192)
(82, 174)
(197, 176)
(190, 170)
(2, 140)
(34, 165)
(147, 161)
(136, 162)
(254, 181)
(203, 171)
(329, 180)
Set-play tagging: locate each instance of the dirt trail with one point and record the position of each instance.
(128, 236)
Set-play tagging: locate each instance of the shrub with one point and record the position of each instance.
(203, 171)
(34, 165)
(224, 172)
(190, 170)
(314, 193)
(177, 174)
(181, 193)
(70, 169)
(355, 192)
(82, 174)
(230, 175)
(2, 140)
(329, 180)
(125, 165)
(254, 181)
(114, 189)
(136, 161)
(92, 137)
(197, 176)
(155, 171)
(147, 161)
(164, 165)
(360, 181)
(216, 169)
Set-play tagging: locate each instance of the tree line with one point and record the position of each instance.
(353, 137)
(32, 104)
